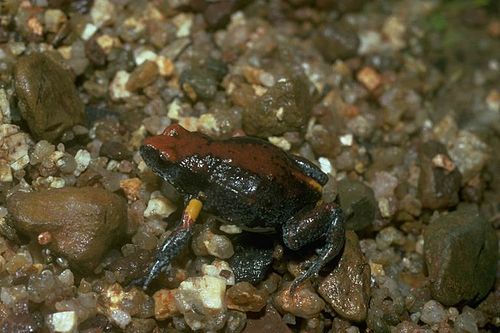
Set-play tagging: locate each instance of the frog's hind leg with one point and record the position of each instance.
(174, 244)
(326, 220)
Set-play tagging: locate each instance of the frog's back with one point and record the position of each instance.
(254, 183)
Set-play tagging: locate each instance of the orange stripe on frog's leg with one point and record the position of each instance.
(191, 212)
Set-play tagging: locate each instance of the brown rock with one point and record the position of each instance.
(347, 287)
(244, 297)
(142, 76)
(270, 322)
(304, 302)
(83, 222)
(437, 186)
(48, 99)
(336, 40)
(165, 304)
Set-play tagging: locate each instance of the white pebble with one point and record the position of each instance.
(325, 165)
(433, 313)
(63, 322)
(82, 159)
(121, 318)
(117, 89)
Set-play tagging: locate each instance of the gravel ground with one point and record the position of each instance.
(397, 101)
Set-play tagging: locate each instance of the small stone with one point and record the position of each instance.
(245, 297)
(304, 303)
(369, 78)
(217, 14)
(83, 222)
(236, 322)
(461, 252)
(284, 107)
(48, 99)
(165, 66)
(201, 301)
(216, 245)
(14, 147)
(469, 153)
(131, 187)
(358, 203)
(199, 83)
(159, 206)
(117, 88)
(433, 313)
(347, 287)
(144, 75)
(465, 322)
(103, 12)
(271, 321)
(5, 111)
(219, 269)
(82, 159)
(165, 306)
(62, 322)
(336, 40)
(120, 318)
(54, 19)
(115, 150)
(437, 187)
(280, 142)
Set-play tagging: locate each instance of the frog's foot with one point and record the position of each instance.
(326, 220)
(173, 245)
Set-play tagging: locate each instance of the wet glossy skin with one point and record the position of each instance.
(244, 181)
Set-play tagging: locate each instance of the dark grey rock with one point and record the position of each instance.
(284, 107)
(461, 252)
(437, 187)
(358, 203)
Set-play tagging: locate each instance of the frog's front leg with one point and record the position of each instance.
(326, 220)
(174, 244)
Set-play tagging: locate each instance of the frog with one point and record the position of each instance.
(248, 182)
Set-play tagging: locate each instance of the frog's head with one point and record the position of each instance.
(163, 152)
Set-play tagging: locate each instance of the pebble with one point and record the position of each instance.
(62, 322)
(370, 78)
(304, 303)
(199, 83)
(284, 107)
(433, 313)
(221, 270)
(437, 187)
(201, 301)
(115, 150)
(165, 306)
(83, 222)
(142, 76)
(117, 87)
(246, 298)
(347, 287)
(469, 153)
(271, 321)
(207, 242)
(336, 40)
(461, 252)
(159, 206)
(14, 148)
(47, 96)
(358, 203)
(465, 322)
